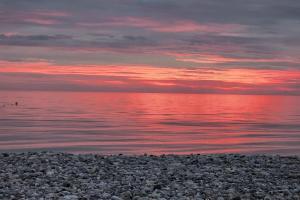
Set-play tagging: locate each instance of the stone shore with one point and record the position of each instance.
(62, 176)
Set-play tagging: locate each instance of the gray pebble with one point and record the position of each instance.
(62, 176)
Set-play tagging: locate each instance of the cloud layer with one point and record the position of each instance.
(259, 37)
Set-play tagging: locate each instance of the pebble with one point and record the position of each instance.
(70, 197)
(62, 176)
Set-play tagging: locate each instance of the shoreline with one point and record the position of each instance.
(51, 175)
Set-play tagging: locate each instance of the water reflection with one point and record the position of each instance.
(153, 123)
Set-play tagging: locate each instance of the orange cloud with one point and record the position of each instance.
(227, 80)
(218, 59)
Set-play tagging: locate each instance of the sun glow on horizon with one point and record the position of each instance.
(132, 76)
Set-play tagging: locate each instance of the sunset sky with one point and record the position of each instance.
(190, 46)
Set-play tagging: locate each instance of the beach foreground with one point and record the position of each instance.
(66, 176)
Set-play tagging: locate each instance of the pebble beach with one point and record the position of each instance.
(46, 175)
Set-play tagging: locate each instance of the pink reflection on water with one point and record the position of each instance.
(136, 123)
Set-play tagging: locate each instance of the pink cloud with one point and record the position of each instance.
(152, 73)
(164, 26)
(38, 17)
(41, 21)
(219, 59)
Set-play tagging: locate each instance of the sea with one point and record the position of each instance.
(149, 123)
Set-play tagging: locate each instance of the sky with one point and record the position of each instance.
(190, 46)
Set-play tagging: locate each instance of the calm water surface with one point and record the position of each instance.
(134, 123)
